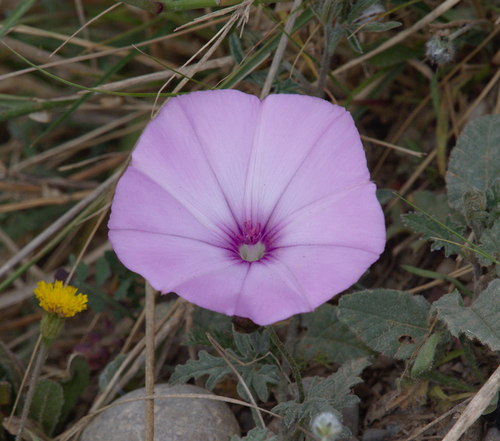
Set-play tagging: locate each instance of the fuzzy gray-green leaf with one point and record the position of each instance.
(490, 243)
(477, 321)
(326, 334)
(326, 395)
(388, 321)
(47, 403)
(474, 162)
(436, 233)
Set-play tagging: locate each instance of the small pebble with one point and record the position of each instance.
(179, 419)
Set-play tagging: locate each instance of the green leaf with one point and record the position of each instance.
(326, 395)
(474, 162)
(326, 334)
(77, 382)
(354, 42)
(490, 243)
(433, 231)
(15, 15)
(256, 377)
(10, 367)
(256, 434)
(251, 346)
(47, 404)
(102, 271)
(359, 7)
(109, 371)
(477, 321)
(428, 353)
(388, 321)
(380, 27)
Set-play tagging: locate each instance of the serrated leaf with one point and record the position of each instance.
(388, 321)
(48, 400)
(76, 383)
(10, 367)
(380, 27)
(474, 162)
(256, 434)
(477, 321)
(433, 231)
(490, 243)
(253, 345)
(102, 271)
(328, 335)
(109, 371)
(256, 376)
(326, 395)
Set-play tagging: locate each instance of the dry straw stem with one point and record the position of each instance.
(102, 51)
(149, 418)
(400, 36)
(13, 297)
(278, 55)
(75, 144)
(44, 201)
(475, 408)
(58, 224)
(106, 396)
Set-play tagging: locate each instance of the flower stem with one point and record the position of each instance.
(293, 365)
(40, 360)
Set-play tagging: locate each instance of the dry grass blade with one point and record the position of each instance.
(475, 408)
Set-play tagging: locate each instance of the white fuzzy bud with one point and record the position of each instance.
(440, 50)
(326, 426)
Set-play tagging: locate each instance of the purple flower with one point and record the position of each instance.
(260, 209)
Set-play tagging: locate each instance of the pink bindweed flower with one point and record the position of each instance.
(259, 209)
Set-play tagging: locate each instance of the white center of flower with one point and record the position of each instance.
(252, 252)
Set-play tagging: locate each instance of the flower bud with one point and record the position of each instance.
(326, 426)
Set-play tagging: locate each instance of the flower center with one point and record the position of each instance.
(252, 248)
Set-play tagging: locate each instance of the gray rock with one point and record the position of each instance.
(176, 419)
(493, 434)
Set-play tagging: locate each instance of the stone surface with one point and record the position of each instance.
(176, 419)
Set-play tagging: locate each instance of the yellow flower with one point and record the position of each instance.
(58, 299)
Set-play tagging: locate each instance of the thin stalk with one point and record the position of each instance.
(325, 65)
(150, 362)
(40, 360)
(293, 365)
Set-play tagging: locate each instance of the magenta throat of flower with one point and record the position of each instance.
(251, 248)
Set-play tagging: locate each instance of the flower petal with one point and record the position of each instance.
(167, 261)
(263, 292)
(141, 204)
(335, 164)
(352, 219)
(324, 271)
(288, 129)
(197, 149)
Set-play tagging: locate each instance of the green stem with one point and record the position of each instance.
(40, 360)
(186, 5)
(293, 365)
(148, 5)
